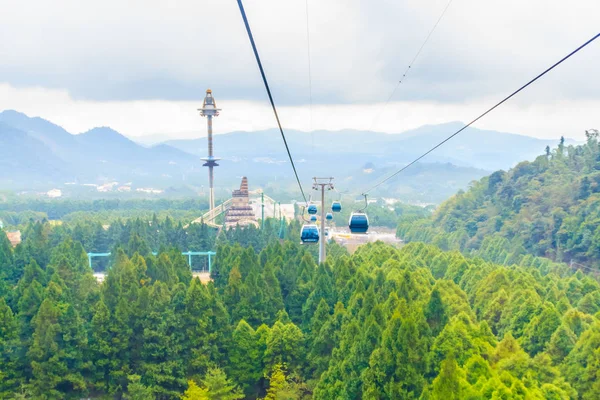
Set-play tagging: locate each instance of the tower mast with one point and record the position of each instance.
(209, 110)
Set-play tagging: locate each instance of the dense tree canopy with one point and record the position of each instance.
(384, 323)
(549, 207)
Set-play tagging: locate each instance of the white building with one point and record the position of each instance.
(54, 193)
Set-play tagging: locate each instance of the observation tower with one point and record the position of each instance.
(209, 110)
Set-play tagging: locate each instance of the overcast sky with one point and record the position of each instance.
(142, 67)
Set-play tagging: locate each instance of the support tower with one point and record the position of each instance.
(209, 110)
(322, 184)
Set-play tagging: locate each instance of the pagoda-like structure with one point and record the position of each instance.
(240, 212)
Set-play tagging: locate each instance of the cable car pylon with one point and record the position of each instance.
(322, 184)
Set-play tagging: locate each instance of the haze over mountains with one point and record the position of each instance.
(39, 155)
(484, 149)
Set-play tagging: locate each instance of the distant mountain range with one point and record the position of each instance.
(39, 154)
(36, 154)
(489, 150)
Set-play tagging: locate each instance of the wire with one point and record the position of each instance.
(485, 113)
(410, 66)
(312, 135)
(264, 78)
(573, 263)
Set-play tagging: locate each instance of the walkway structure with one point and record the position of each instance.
(257, 200)
(189, 254)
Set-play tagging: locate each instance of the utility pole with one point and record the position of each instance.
(281, 231)
(262, 200)
(321, 184)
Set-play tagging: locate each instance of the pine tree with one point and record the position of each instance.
(163, 270)
(101, 346)
(31, 272)
(285, 345)
(160, 354)
(9, 377)
(195, 392)
(7, 265)
(219, 387)
(561, 343)
(136, 390)
(582, 366)
(318, 319)
(323, 290)
(206, 323)
(279, 386)
(450, 383)
(48, 369)
(277, 383)
(272, 292)
(539, 331)
(435, 313)
(477, 367)
(245, 358)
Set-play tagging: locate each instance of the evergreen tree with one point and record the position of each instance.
(245, 358)
(160, 353)
(7, 264)
(284, 345)
(219, 387)
(101, 346)
(435, 313)
(195, 392)
(279, 386)
(136, 390)
(561, 343)
(46, 353)
(8, 342)
(450, 383)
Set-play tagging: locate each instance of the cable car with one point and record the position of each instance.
(312, 209)
(309, 234)
(358, 222)
(313, 218)
(336, 206)
(329, 216)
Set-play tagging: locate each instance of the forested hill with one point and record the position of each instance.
(549, 207)
(415, 323)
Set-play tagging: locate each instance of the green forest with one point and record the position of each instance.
(384, 323)
(380, 213)
(18, 211)
(549, 207)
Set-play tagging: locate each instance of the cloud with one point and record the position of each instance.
(154, 50)
(180, 119)
(142, 66)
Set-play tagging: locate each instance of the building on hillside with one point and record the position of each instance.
(149, 190)
(240, 211)
(107, 187)
(14, 237)
(54, 193)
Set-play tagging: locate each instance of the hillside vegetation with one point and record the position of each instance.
(383, 323)
(549, 207)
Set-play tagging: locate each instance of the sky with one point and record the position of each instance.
(142, 67)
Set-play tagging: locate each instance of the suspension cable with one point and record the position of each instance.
(485, 113)
(312, 135)
(409, 66)
(264, 78)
